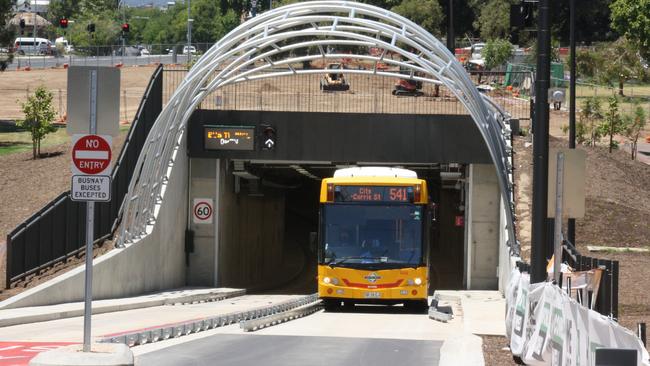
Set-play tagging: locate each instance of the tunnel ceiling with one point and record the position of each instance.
(307, 31)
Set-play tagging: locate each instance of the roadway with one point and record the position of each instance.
(365, 335)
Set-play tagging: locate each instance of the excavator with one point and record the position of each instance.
(333, 80)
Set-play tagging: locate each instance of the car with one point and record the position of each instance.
(143, 50)
(32, 46)
(64, 44)
(191, 48)
(127, 51)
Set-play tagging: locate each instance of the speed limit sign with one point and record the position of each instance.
(202, 210)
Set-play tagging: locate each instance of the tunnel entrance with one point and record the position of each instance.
(267, 198)
(270, 218)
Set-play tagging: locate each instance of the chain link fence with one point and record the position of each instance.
(366, 94)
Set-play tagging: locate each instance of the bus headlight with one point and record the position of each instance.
(327, 280)
(418, 281)
(335, 281)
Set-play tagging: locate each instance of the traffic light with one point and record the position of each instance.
(63, 22)
(91, 27)
(125, 27)
(22, 23)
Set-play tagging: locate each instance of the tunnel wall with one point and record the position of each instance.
(251, 240)
(203, 184)
(153, 263)
(348, 137)
(484, 227)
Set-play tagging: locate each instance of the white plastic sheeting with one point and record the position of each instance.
(547, 327)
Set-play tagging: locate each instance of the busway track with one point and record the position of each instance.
(249, 320)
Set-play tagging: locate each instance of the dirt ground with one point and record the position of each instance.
(28, 185)
(16, 85)
(617, 215)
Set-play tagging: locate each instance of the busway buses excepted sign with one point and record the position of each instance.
(91, 188)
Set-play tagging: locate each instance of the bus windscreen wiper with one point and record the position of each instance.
(333, 262)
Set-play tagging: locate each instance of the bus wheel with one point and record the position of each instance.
(331, 305)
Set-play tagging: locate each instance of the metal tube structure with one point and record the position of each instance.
(540, 145)
(269, 46)
(90, 226)
(571, 227)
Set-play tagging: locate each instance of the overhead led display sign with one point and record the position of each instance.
(373, 194)
(229, 138)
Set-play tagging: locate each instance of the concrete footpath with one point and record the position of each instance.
(33, 314)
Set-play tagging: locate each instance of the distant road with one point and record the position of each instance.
(42, 62)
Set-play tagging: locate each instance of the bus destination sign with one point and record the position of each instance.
(373, 194)
(229, 138)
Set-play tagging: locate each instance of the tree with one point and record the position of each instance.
(612, 123)
(494, 18)
(590, 118)
(622, 64)
(62, 9)
(631, 18)
(634, 124)
(592, 21)
(107, 30)
(426, 13)
(496, 53)
(6, 33)
(39, 113)
(588, 63)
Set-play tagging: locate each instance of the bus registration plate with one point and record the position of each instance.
(372, 295)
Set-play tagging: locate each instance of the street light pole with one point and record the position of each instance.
(451, 36)
(540, 242)
(571, 227)
(189, 31)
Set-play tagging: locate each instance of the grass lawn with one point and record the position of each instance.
(630, 90)
(12, 142)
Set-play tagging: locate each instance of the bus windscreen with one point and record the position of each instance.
(376, 234)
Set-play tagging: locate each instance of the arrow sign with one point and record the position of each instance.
(268, 136)
(91, 154)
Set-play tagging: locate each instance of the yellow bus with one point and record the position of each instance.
(373, 238)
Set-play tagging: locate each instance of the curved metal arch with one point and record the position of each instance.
(247, 51)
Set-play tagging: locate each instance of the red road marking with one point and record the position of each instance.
(20, 353)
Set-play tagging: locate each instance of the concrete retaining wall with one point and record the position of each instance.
(485, 232)
(155, 262)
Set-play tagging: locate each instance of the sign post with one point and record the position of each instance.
(91, 154)
(90, 224)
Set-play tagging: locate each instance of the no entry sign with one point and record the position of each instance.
(91, 154)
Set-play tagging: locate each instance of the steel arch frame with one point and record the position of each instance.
(246, 54)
